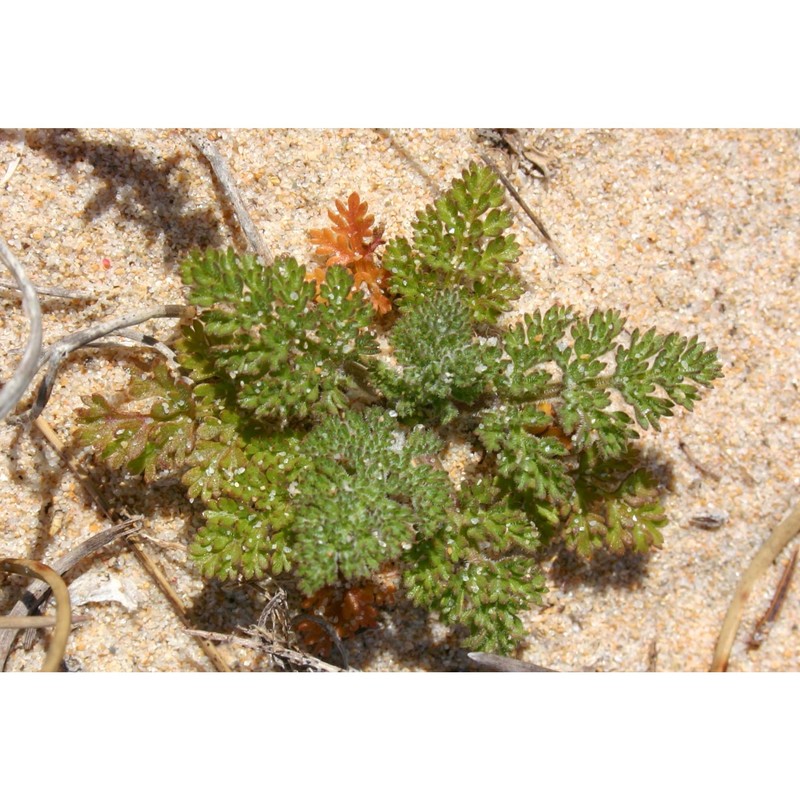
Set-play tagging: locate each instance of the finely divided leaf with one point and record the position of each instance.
(363, 498)
(147, 442)
(440, 363)
(459, 243)
(674, 364)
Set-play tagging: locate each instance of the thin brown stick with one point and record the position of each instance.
(35, 569)
(764, 623)
(52, 438)
(231, 190)
(524, 206)
(392, 140)
(180, 609)
(11, 392)
(696, 464)
(785, 531)
(652, 656)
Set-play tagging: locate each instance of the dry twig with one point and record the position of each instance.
(52, 291)
(258, 639)
(36, 593)
(37, 622)
(785, 531)
(145, 340)
(530, 160)
(228, 184)
(652, 656)
(524, 206)
(35, 569)
(764, 623)
(12, 391)
(494, 663)
(696, 464)
(54, 355)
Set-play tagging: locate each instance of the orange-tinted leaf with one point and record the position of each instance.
(352, 242)
(334, 247)
(348, 610)
(353, 220)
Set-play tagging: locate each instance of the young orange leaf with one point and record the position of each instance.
(351, 242)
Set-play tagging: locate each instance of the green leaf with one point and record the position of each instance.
(440, 363)
(235, 540)
(490, 523)
(635, 515)
(530, 461)
(529, 345)
(363, 498)
(595, 337)
(286, 356)
(485, 596)
(614, 508)
(459, 243)
(245, 480)
(149, 442)
(674, 364)
(583, 416)
(477, 571)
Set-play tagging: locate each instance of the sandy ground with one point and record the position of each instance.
(695, 231)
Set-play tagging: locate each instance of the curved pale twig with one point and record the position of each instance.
(52, 291)
(35, 569)
(12, 391)
(786, 530)
(36, 592)
(57, 352)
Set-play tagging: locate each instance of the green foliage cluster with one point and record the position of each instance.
(312, 453)
(367, 495)
(440, 363)
(285, 355)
